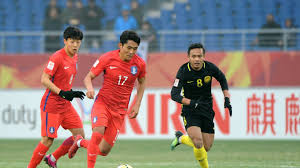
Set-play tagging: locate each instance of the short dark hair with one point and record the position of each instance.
(73, 33)
(196, 45)
(129, 35)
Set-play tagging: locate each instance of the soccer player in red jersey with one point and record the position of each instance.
(121, 68)
(56, 107)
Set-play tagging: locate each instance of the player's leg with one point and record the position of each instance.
(102, 141)
(78, 134)
(49, 126)
(200, 153)
(79, 142)
(57, 119)
(180, 138)
(100, 119)
(195, 134)
(208, 133)
(93, 147)
(109, 138)
(113, 122)
(40, 151)
(208, 140)
(104, 146)
(69, 120)
(207, 130)
(65, 147)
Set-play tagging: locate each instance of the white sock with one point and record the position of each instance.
(179, 139)
(52, 158)
(78, 143)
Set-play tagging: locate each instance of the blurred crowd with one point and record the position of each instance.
(272, 39)
(90, 18)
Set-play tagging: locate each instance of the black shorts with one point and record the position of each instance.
(204, 120)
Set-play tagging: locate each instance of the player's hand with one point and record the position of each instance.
(79, 94)
(228, 105)
(69, 95)
(134, 112)
(194, 103)
(90, 94)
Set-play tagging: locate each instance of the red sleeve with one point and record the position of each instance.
(52, 65)
(99, 66)
(143, 70)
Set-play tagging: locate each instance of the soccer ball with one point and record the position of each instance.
(124, 166)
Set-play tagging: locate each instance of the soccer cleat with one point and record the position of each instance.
(49, 162)
(176, 142)
(73, 149)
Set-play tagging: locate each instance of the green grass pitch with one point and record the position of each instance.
(157, 154)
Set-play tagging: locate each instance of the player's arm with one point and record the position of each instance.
(96, 69)
(176, 89)
(226, 93)
(46, 81)
(140, 90)
(68, 95)
(175, 95)
(219, 75)
(139, 96)
(89, 85)
(48, 73)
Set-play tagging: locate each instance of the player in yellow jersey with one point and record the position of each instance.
(195, 78)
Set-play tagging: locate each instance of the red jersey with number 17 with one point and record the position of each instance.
(62, 69)
(119, 79)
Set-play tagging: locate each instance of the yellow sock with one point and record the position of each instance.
(201, 156)
(185, 139)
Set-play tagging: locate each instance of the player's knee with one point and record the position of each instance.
(47, 141)
(82, 134)
(100, 129)
(197, 142)
(207, 147)
(104, 151)
(78, 131)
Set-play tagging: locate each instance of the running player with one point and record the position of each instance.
(121, 69)
(195, 78)
(56, 107)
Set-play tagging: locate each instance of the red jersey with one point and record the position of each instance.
(119, 79)
(62, 68)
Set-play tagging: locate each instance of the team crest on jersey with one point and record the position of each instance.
(95, 119)
(133, 70)
(51, 130)
(207, 79)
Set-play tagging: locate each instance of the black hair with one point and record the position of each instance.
(129, 35)
(73, 33)
(196, 45)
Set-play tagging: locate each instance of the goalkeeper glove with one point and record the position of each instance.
(227, 105)
(69, 95)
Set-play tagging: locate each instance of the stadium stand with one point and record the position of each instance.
(191, 15)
